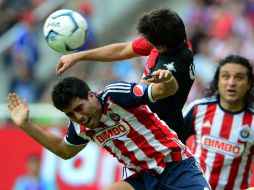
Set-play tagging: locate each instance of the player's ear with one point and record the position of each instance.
(90, 95)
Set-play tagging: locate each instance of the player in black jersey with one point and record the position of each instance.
(163, 39)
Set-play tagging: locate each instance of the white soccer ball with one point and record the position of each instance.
(65, 31)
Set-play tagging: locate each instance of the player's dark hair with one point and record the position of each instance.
(232, 59)
(68, 89)
(162, 27)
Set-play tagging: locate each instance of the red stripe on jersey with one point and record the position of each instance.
(233, 173)
(165, 138)
(209, 116)
(147, 148)
(219, 158)
(120, 160)
(131, 155)
(155, 129)
(247, 169)
(247, 120)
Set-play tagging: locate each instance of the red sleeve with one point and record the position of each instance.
(141, 46)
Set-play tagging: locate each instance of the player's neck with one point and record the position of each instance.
(235, 106)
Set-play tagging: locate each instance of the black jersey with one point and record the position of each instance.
(180, 63)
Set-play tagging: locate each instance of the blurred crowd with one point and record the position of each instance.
(216, 28)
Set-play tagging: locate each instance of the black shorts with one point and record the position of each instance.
(185, 174)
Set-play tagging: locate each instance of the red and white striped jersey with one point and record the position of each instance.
(223, 142)
(130, 131)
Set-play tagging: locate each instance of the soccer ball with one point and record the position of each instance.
(65, 31)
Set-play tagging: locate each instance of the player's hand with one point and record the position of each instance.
(160, 76)
(18, 109)
(64, 63)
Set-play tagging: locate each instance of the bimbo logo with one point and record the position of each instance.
(222, 146)
(110, 133)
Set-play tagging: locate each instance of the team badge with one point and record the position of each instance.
(115, 117)
(170, 66)
(244, 133)
(138, 90)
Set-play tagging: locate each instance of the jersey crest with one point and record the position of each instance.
(170, 66)
(244, 133)
(115, 117)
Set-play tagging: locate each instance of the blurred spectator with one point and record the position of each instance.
(22, 57)
(216, 29)
(86, 9)
(204, 63)
(31, 180)
(11, 11)
(23, 82)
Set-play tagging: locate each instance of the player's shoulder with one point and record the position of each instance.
(251, 109)
(114, 89)
(117, 84)
(202, 101)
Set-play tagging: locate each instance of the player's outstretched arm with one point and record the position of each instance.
(164, 81)
(19, 111)
(112, 52)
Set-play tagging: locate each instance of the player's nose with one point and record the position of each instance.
(78, 116)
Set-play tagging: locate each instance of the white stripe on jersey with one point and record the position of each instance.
(147, 134)
(119, 84)
(198, 127)
(215, 131)
(126, 160)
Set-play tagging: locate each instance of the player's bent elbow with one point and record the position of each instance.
(174, 90)
(66, 156)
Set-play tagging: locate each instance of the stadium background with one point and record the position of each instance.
(27, 66)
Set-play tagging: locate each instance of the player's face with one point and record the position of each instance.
(233, 85)
(85, 112)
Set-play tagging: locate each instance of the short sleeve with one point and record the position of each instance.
(73, 138)
(141, 46)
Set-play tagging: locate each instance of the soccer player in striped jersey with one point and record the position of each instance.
(223, 125)
(118, 120)
(163, 39)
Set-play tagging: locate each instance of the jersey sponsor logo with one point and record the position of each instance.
(244, 133)
(222, 146)
(110, 133)
(138, 90)
(170, 66)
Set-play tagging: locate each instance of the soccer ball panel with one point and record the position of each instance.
(65, 31)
